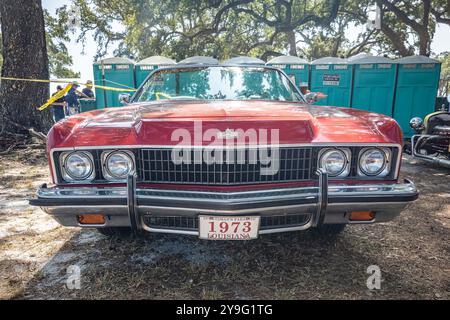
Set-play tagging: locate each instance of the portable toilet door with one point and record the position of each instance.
(144, 67)
(373, 84)
(296, 68)
(332, 77)
(112, 72)
(416, 90)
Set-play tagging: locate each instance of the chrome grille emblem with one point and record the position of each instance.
(227, 134)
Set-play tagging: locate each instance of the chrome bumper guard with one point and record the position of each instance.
(126, 206)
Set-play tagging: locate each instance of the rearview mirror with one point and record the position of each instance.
(124, 98)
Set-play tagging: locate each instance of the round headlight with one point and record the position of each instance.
(372, 161)
(334, 162)
(78, 166)
(119, 164)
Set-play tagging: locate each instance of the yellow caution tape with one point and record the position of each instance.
(62, 92)
(62, 81)
(114, 89)
(162, 94)
(56, 96)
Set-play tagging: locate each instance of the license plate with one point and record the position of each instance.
(228, 228)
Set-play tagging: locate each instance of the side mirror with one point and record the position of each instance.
(124, 98)
(416, 123)
(448, 98)
(313, 97)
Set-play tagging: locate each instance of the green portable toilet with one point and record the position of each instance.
(333, 77)
(112, 72)
(245, 60)
(416, 90)
(87, 104)
(373, 84)
(296, 68)
(144, 67)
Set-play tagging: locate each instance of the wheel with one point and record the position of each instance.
(115, 231)
(329, 230)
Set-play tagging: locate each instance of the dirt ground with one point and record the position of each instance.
(412, 252)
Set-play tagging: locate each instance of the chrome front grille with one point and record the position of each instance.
(157, 167)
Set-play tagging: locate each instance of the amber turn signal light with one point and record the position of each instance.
(91, 219)
(362, 215)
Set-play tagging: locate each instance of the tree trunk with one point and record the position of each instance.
(424, 35)
(336, 46)
(396, 41)
(292, 43)
(24, 56)
(424, 44)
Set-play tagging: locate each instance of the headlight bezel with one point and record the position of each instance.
(347, 155)
(107, 174)
(383, 171)
(67, 176)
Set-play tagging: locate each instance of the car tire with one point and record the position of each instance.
(407, 148)
(115, 231)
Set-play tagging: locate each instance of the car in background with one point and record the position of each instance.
(432, 141)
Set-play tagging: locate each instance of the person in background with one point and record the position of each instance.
(304, 88)
(58, 106)
(88, 90)
(73, 105)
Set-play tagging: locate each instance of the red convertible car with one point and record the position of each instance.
(223, 152)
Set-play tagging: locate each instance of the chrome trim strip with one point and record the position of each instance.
(209, 196)
(309, 206)
(319, 144)
(170, 231)
(123, 210)
(196, 233)
(87, 192)
(288, 229)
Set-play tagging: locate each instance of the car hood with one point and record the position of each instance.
(155, 123)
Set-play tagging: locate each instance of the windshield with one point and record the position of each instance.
(218, 83)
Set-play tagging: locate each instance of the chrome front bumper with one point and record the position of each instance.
(127, 206)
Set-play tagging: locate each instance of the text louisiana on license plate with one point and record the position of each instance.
(228, 228)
